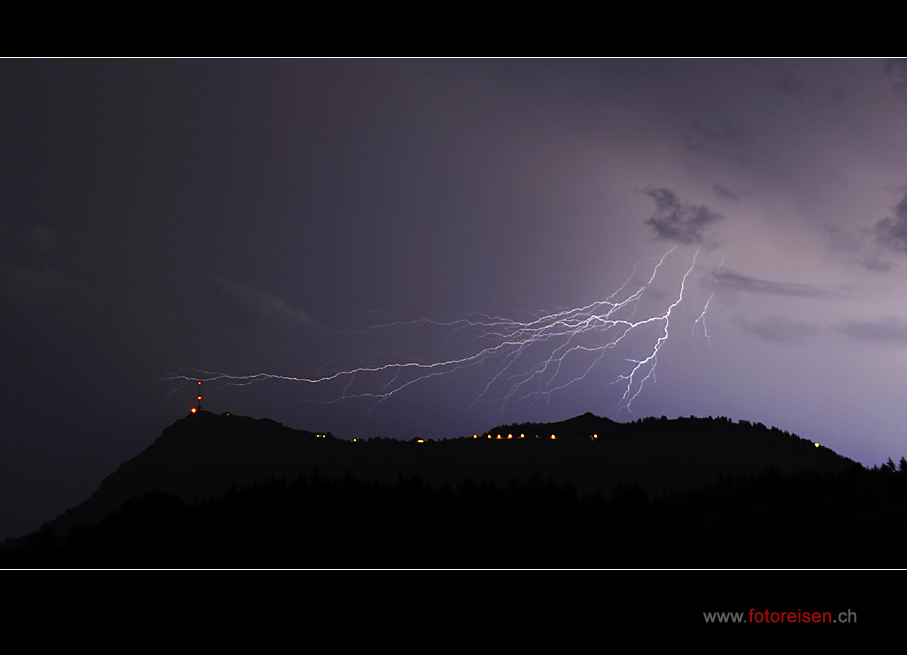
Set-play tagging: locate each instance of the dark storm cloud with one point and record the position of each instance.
(777, 329)
(884, 330)
(859, 246)
(681, 222)
(788, 83)
(244, 305)
(890, 232)
(731, 281)
(723, 192)
(843, 239)
(867, 245)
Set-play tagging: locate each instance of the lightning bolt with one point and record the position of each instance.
(649, 363)
(512, 348)
(701, 320)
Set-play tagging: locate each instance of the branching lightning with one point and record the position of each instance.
(528, 360)
(700, 320)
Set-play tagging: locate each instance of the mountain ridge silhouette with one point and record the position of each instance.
(203, 455)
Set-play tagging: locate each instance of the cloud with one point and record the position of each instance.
(896, 70)
(890, 232)
(243, 304)
(681, 222)
(41, 285)
(714, 138)
(787, 83)
(867, 245)
(731, 281)
(724, 193)
(858, 246)
(776, 329)
(884, 330)
(875, 264)
(837, 97)
(34, 239)
(841, 239)
(30, 271)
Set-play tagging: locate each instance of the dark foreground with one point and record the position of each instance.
(853, 519)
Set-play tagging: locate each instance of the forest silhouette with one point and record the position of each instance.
(220, 491)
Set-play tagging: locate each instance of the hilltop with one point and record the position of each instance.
(227, 491)
(203, 455)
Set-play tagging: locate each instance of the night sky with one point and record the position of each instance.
(306, 218)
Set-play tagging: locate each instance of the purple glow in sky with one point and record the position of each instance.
(248, 216)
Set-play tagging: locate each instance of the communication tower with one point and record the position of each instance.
(198, 400)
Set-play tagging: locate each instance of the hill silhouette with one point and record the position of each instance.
(231, 491)
(202, 456)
